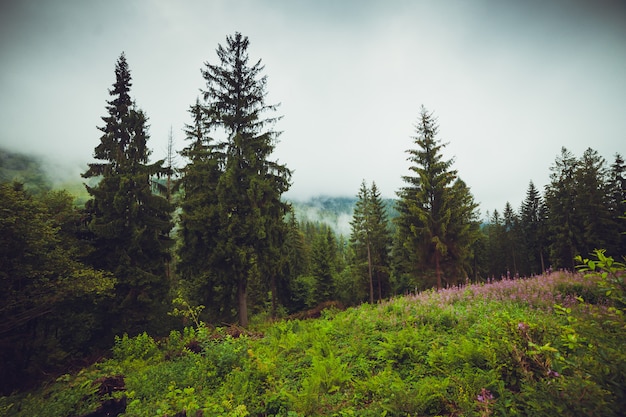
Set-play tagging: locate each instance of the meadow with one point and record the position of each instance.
(543, 346)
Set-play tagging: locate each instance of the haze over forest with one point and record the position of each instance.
(146, 254)
(510, 82)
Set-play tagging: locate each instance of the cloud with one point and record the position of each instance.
(510, 82)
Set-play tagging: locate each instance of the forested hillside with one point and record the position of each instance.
(551, 347)
(168, 265)
(336, 212)
(23, 168)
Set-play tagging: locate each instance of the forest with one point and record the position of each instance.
(237, 301)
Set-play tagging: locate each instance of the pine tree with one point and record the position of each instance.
(361, 239)
(381, 239)
(496, 246)
(592, 204)
(511, 230)
(129, 224)
(563, 223)
(617, 203)
(200, 216)
(250, 187)
(436, 211)
(370, 240)
(323, 261)
(532, 229)
(296, 263)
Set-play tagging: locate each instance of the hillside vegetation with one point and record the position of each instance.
(544, 346)
(107, 271)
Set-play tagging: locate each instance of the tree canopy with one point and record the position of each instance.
(128, 222)
(437, 224)
(243, 185)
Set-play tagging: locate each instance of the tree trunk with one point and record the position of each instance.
(243, 303)
(369, 266)
(274, 295)
(437, 269)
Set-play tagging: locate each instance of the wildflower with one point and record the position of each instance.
(553, 374)
(522, 326)
(484, 396)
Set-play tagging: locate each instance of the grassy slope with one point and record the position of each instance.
(497, 349)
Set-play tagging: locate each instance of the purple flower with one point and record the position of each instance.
(484, 396)
(553, 374)
(522, 326)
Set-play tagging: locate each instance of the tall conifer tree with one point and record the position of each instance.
(532, 228)
(370, 240)
(511, 230)
(592, 203)
(249, 215)
(564, 228)
(323, 262)
(200, 217)
(496, 245)
(129, 224)
(617, 203)
(437, 218)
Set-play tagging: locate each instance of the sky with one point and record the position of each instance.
(510, 82)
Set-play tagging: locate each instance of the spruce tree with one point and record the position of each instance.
(532, 229)
(563, 222)
(496, 245)
(592, 205)
(249, 190)
(617, 203)
(437, 218)
(296, 263)
(199, 216)
(361, 239)
(129, 224)
(323, 265)
(463, 232)
(370, 240)
(511, 230)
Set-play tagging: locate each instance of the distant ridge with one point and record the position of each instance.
(336, 211)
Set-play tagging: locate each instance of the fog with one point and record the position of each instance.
(510, 82)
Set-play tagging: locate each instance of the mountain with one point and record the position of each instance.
(26, 169)
(336, 212)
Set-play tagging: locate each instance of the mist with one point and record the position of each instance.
(510, 82)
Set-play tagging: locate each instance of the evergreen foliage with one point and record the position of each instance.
(617, 201)
(533, 233)
(437, 223)
(578, 205)
(323, 266)
(47, 292)
(199, 216)
(73, 279)
(370, 241)
(243, 221)
(25, 169)
(563, 225)
(129, 224)
(592, 204)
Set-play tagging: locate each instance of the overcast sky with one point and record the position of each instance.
(510, 82)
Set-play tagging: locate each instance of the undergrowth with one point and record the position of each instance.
(550, 345)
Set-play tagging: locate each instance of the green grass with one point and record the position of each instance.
(514, 348)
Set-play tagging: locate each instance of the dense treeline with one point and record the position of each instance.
(225, 241)
(580, 210)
